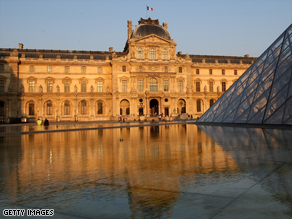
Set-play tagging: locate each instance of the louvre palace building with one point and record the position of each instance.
(148, 78)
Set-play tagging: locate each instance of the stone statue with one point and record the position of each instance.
(75, 88)
(205, 88)
(9, 88)
(22, 89)
(58, 88)
(91, 88)
(218, 89)
(41, 89)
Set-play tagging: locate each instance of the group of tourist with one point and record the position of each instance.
(46, 122)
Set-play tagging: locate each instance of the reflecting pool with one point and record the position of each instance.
(167, 171)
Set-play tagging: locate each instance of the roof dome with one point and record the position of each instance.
(147, 27)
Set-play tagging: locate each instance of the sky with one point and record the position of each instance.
(199, 27)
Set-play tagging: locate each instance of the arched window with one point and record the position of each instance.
(83, 107)
(99, 107)
(165, 54)
(49, 108)
(153, 84)
(31, 108)
(199, 106)
(67, 108)
(152, 54)
(140, 53)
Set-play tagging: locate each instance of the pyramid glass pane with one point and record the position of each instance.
(262, 95)
(277, 117)
(276, 102)
(288, 110)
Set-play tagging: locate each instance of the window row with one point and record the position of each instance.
(211, 71)
(83, 87)
(67, 108)
(152, 54)
(211, 85)
(124, 69)
(153, 85)
(66, 69)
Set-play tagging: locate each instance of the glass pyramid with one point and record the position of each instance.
(263, 94)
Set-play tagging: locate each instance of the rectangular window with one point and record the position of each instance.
(210, 86)
(49, 68)
(66, 86)
(124, 85)
(210, 72)
(31, 68)
(197, 71)
(223, 71)
(180, 86)
(99, 70)
(140, 85)
(198, 86)
(2, 84)
(166, 85)
(124, 68)
(235, 72)
(83, 69)
(83, 86)
(66, 69)
(99, 86)
(1, 67)
(49, 86)
(1, 108)
(31, 86)
(223, 86)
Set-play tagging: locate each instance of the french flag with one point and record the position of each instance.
(149, 9)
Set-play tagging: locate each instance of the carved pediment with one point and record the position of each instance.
(32, 79)
(67, 79)
(152, 39)
(50, 79)
(99, 79)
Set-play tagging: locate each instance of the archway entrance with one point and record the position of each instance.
(124, 108)
(181, 106)
(153, 107)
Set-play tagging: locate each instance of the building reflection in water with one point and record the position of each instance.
(151, 165)
(266, 154)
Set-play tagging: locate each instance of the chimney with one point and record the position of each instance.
(129, 29)
(246, 56)
(20, 45)
(164, 25)
(111, 49)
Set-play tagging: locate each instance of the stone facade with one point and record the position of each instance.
(148, 78)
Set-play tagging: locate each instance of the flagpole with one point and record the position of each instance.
(146, 11)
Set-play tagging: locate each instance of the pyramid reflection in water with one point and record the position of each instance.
(263, 94)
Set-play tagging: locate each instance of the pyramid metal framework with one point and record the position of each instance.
(263, 94)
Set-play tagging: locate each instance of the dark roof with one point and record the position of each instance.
(143, 30)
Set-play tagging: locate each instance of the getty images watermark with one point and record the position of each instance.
(28, 212)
